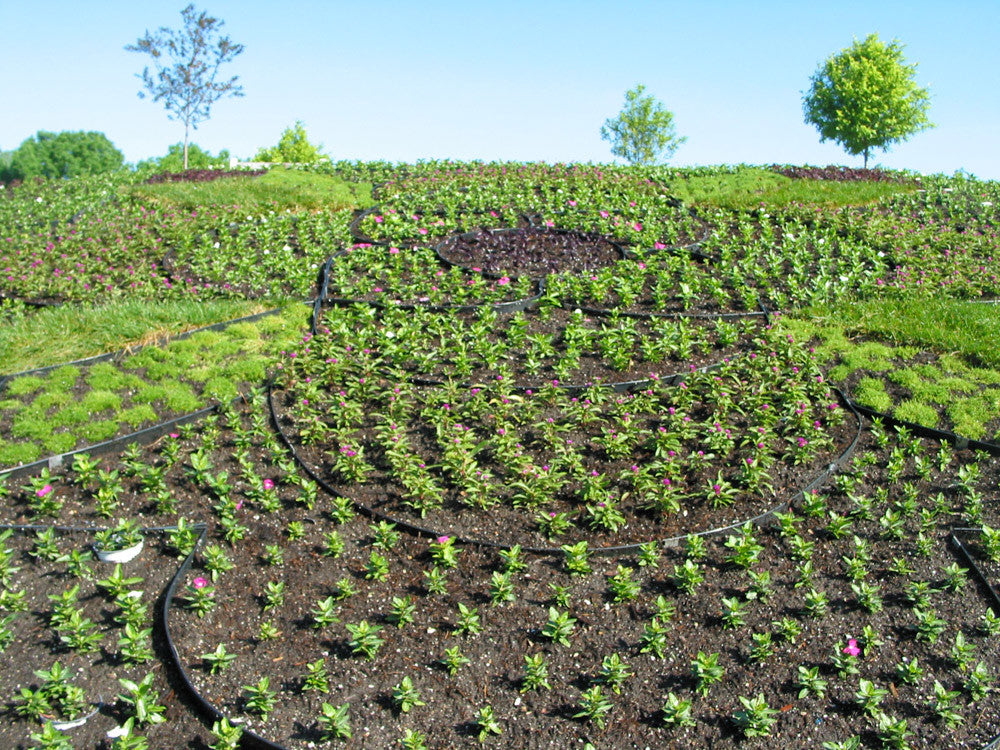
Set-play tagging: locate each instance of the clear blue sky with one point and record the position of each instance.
(510, 80)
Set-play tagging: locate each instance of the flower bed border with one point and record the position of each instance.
(553, 551)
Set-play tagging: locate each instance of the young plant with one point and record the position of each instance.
(454, 660)
(810, 683)
(559, 627)
(143, 697)
(403, 609)
(487, 723)
(364, 639)
(260, 698)
(317, 678)
(756, 718)
(335, 722)
(677, 712)
(405, 696)
(594, 706)
(219, 659)
(614, 672)
(468, 620)
(707, 671)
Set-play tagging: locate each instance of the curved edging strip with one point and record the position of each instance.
(249, 738)
(762, 313)
(551, 551)
(958, 441)
(993, 594)
(953, 537)
(501, 307)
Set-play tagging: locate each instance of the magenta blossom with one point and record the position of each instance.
(268, 484)
(199, 582)
(443, 539)
(44, 491)
(851, 649)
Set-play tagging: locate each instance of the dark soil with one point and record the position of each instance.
(536, 719)
(529, 252)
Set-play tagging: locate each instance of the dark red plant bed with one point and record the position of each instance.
(203, 175)
(531, 251)
(837, 174)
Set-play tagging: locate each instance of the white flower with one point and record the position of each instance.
(39, 199)
(987, 203)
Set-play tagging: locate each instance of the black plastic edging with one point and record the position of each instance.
(705, 316)
(552, 551)
(249, 738)
(929, 432)
(994, 595)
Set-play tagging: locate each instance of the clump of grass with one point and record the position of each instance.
(70, 332)
(752, 187)
(278, 189)
(913, 410)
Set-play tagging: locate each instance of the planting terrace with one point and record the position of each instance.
(520, 455)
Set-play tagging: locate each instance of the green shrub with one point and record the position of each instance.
(180, 398)
(47, 400)
(60, 442)
(871, 392)
(62, 378)
(98, 401)
(13, 454)
(149, 393)
(916, 411)
(24, 385)
(221, 388)
(98, 431)
(138, 415)
(71, 414)
(31, 423)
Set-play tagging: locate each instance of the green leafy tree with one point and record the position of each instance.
(643, 132)
(186, 65)
(173, 161)
(864, 97)
(66, 154)
(293, 147)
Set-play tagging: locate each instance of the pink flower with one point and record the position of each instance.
(199, 582)
(851, 649)
(503, 281)
(443, 539)
(175, 435)
(268, 484)
(44, 491)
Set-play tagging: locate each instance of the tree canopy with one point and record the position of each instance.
(643, 132)
(293, 147)
(865, 97)
(65, 154)
(186, 65)
(173, 160)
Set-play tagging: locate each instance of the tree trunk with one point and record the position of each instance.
(186, 148)
(185, 157)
